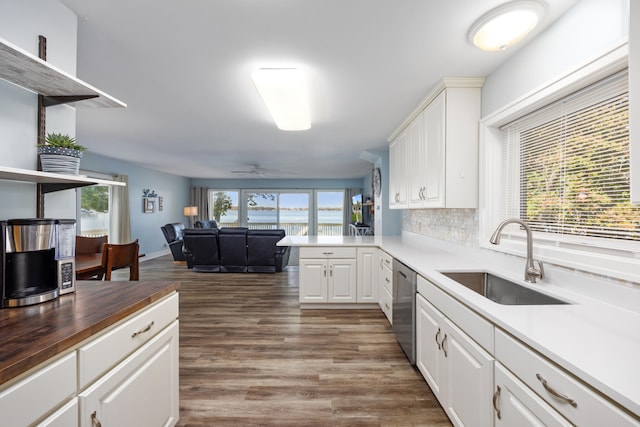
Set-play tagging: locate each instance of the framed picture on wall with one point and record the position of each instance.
(148, 205)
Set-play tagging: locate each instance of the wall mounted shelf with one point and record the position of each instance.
(23, 69)
(52, 181)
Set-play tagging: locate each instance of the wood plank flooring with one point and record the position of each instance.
(250, 357)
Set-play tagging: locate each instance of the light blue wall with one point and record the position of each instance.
(21, 22)
(146, 226)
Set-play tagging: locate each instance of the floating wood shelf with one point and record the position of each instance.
(23, 69)
(52, 181)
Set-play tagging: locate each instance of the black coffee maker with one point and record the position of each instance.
(37, 260)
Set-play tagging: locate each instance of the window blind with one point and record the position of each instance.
(566, 166)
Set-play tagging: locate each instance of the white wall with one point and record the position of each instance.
(587, 30)
(21, 22)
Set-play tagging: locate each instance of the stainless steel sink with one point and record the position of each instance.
(501, 290)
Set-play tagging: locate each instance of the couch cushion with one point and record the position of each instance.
(211, 223)
(233, 249)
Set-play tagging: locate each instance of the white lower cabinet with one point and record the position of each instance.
(459, 371)
(367, 279)
(125, 376)
(567, 395)
(330, 275)
(41, 392)
(515, 404)
(141, 391)
(385, 284)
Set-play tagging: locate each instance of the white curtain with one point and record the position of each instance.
(348, 208)
(120, 217)
(200, 198)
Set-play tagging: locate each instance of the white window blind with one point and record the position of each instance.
(566, 167)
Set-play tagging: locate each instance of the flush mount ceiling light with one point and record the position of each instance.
(284, 92)
(506, 25)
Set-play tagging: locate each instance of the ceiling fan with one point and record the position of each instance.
(257, 170)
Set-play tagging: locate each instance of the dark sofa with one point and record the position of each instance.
(235, 250)
(173, 233)
(209, 223)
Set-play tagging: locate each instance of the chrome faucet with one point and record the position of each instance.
(530, 271)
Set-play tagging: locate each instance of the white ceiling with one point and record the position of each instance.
(183, 67)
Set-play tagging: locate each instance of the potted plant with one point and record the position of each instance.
(60, 154)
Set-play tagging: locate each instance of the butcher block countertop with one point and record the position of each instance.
(33, 334)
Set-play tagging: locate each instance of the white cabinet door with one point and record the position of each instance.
(342, 280)
(397, 172)
(468, 385)
(429, 335)
(313, 280)
(434, 131)
(367, 278)
(515, 404)
(417, 163)
(140, 391)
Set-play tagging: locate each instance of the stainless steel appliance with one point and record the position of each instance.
(37, 260)
(404, 308)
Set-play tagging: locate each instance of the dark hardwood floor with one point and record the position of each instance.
(250, 357)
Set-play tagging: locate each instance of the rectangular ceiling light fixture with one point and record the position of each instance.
(284, 92)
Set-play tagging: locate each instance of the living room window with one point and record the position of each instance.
(225, 208)
(559, 160)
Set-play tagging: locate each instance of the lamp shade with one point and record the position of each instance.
(190, 211)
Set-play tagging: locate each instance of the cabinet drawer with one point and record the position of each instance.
(588, 408)
(387, 279)
(327, 252)
(142, 390)
(67, 416)
(473, 324)
(386, 302)
(387, 259)
(39, 393)
(104, 352)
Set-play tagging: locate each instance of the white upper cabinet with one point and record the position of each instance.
(439, 145)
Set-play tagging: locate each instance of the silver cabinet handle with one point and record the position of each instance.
(444, 348)
(325, 271)
(95, 422)
(143, 330)
(496, 396)
(387, 280)
(555, 393)
(330, 271)
(327, 253)
(437, 342)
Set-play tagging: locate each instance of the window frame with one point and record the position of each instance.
(621, 260)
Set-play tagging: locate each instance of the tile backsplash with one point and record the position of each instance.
(453, 225)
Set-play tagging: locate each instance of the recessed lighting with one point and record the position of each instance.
(506, 25)
(284, 92)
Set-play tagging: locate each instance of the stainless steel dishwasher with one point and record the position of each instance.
(404, 308)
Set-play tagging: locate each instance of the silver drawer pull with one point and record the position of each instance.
(95, 422)
(142, 331)
(444, 348)
(551, 390)
(496, 396)
(438, 342)
(327, 253)
(387, 280)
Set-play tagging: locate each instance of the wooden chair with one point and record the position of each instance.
(90, 246)
(115, 256)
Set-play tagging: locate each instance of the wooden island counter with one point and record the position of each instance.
(60, 361)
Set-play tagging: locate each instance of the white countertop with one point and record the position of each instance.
(596, 337)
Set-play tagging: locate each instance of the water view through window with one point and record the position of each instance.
(292, 211)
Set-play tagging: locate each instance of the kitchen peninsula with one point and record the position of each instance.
(66, 357)
(536, 348)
